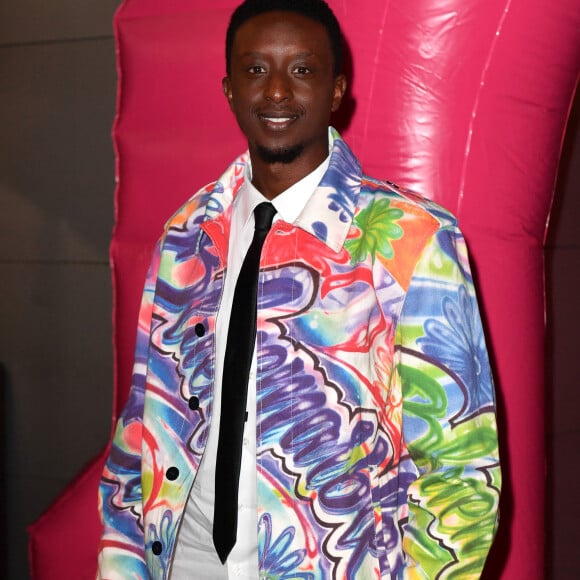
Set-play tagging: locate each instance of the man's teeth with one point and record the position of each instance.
(279, 120)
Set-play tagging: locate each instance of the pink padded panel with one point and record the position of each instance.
(465, 101)
(64, 540)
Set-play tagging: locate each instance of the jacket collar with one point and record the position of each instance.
(330, 210)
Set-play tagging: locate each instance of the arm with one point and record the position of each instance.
(122, 549)
(448, 417)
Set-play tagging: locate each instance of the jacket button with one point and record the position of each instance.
(172, 473)
(199, 329)
(193, 403)
(157, 548)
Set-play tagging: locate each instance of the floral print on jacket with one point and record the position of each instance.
(377, 451)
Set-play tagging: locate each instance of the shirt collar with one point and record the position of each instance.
(289, 204)
(329, 211)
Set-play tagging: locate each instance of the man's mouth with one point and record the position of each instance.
(277, 121)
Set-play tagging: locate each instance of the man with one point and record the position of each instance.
(369, 443)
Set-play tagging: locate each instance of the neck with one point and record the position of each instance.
(271, 179)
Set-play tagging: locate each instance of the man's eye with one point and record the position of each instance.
(256, 69)
(301, 70)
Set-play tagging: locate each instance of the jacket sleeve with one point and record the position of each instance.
(122, 545)
(449, 423)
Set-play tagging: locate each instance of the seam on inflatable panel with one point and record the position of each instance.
(476, 101)
(375, 70)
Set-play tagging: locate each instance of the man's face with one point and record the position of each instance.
(281, 87)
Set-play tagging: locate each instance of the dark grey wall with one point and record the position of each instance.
(57, 99)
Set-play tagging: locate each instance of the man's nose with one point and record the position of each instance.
(278, 88)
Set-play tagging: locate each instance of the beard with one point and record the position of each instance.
(284, 155)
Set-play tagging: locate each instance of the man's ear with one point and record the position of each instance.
(340, 84)
(227, 88)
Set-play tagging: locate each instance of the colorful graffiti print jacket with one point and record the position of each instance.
(376, 439)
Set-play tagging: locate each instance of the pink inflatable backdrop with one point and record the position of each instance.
(464, 101)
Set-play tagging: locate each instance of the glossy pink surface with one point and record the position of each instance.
(464, 101)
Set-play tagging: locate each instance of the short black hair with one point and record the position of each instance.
(317, 10)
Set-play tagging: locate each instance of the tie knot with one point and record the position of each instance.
(264, 214)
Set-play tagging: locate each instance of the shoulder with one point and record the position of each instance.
(212, 199)
(412, 204)
(393, 227)
(194, 209)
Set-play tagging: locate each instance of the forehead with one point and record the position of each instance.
(281, 30)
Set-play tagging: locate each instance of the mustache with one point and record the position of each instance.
(280, 111)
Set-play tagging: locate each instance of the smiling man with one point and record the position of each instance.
(312, 397)
(282, 85)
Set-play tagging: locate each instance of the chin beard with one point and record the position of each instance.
(282, 155)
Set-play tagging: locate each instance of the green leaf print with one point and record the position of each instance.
(378, 228)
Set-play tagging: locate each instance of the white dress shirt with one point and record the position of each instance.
(195, 556)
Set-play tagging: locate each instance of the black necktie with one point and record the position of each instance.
(237, 363)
